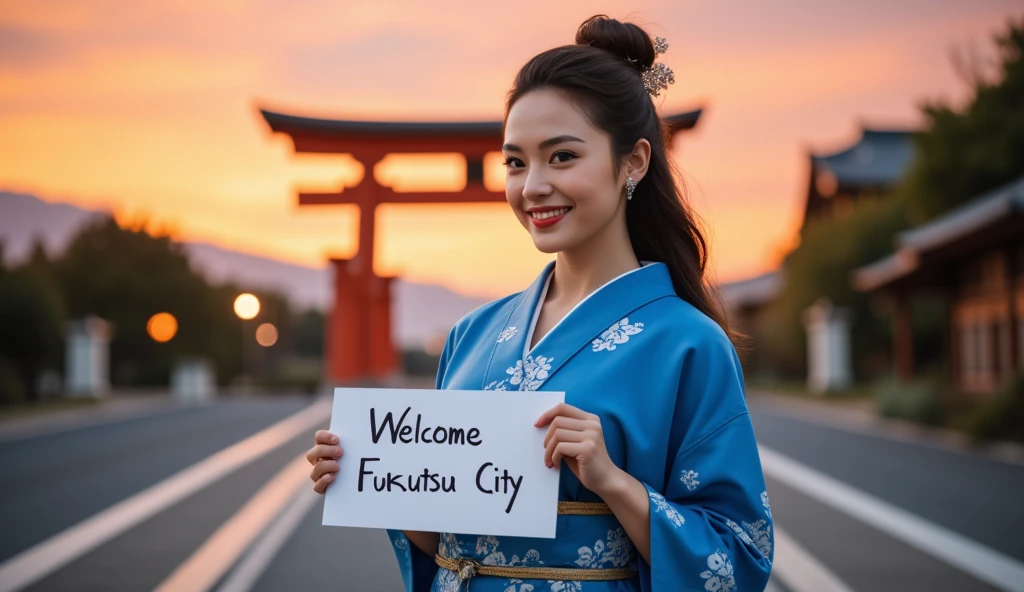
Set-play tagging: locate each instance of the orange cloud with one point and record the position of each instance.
(150, 108)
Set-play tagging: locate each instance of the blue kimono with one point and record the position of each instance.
(667, 385)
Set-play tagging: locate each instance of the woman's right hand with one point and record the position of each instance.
(324, 457)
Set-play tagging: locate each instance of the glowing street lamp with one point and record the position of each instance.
(162, 327)
(247, 307)
(266, 335)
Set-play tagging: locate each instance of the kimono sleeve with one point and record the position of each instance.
(418, 569)
(711, 526)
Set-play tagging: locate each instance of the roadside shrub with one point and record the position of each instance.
(1002, 417)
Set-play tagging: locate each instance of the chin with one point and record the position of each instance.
(551, 244)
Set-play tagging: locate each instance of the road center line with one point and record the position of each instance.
(247, 573)
(41, 560)
(222, 549)
(984, 563)
(798, 570)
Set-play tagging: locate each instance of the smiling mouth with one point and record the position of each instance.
(549, 214)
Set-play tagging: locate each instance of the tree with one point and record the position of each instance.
(309, 333)
(31, 330)
(964, 153)
(959, 155)
(819, 268)
(125, 275)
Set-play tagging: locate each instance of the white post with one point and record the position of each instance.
(193, 381)
(828, 347)
(88, 361)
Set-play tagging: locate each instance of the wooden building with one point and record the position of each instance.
(866, 169)
(974, 257)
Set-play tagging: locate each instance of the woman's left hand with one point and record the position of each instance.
(576, 436)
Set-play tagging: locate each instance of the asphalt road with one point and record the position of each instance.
(50, 483)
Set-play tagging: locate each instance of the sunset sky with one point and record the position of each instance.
(150, 109)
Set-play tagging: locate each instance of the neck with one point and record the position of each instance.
(592, 264)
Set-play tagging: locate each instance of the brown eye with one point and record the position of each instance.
(562, 156)
(513, 163)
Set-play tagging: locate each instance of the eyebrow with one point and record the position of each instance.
(546, 143)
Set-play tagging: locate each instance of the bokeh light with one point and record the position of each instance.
(266, 335)
(247, 306)
(162, 327)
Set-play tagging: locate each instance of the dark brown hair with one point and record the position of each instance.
(601, 76)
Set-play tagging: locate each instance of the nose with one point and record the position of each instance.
(536, 185)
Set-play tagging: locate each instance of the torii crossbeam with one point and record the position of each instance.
(358, 340)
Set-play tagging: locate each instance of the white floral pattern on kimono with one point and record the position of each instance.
(767, 505)
(756, 535)
(719, 575)
(488, 547)
(616, 550)
(448, 546)
(528, 375)
(761, 533)
(660, 505)
(507, 334)
(448, 581)
(616, 335)
(689, 479)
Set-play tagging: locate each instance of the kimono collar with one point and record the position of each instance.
(513, 366)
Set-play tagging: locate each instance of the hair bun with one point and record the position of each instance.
(625, 40)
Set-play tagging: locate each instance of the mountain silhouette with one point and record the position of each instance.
(420, 310)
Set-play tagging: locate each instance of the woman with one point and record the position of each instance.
(665, 490)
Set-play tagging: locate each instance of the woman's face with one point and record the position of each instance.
(561, 183)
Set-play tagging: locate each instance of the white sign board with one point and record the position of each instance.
(468, 462)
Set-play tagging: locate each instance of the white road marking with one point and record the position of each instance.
(798, 570)
(248, 572)
(43, 559)
(221, 550)
(984, 563)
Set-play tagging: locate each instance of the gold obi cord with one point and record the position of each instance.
(468, 569)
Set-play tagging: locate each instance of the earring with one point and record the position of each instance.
(630, 188)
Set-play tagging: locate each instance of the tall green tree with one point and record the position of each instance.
(31, 329)
(125, 275)
(965, 152)
(820, 268)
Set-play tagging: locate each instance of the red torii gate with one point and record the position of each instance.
(358, 333)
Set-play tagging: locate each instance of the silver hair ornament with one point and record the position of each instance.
(659, 76)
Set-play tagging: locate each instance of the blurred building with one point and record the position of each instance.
(865, 169)
(745, 303)
(868, 168)
(974, 257)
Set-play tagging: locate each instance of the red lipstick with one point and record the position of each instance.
(553, 214)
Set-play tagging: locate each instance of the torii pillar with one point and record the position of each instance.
(358, 339)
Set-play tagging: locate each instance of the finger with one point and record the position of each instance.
(559, 437)
(569, 450)
(561, 409)
(325, 437)
(321, 485)
(568, 423)
(322, 468)
(323, 451)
